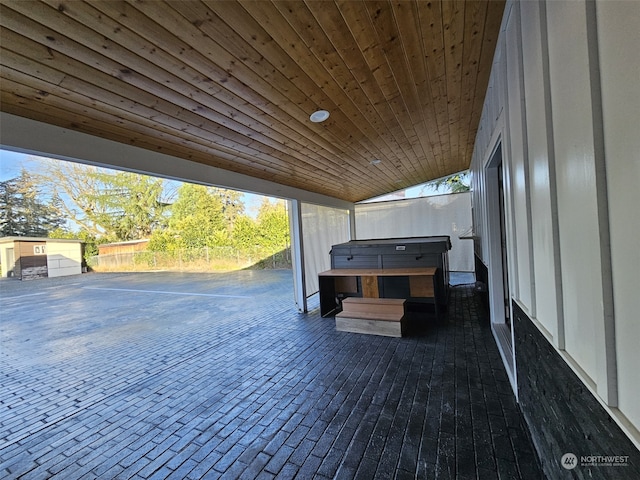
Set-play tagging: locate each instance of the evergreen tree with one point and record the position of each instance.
(23, 212)
(128, 205)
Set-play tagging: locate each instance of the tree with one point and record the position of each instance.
(129, 205)
(273, 225)
(106, 204)
(453, 183)
(197, 220)
(232, 206)
(24, 211)
(244, 234)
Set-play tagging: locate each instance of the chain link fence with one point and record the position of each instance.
(198, 259)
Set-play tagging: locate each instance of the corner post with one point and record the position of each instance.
(297, 255)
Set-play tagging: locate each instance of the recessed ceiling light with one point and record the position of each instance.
(375, 161)
(319, 116)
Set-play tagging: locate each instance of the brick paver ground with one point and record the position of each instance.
(188, 376)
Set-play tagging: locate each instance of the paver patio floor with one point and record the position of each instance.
(217, 376)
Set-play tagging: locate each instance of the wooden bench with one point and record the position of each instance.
(375, 316)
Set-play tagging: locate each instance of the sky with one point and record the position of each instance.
(10, 164)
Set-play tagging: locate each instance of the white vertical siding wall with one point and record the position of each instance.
(619, 52)
(489, 132)
(516, 169)
(577, 183)
(563, 102)
(544, 239)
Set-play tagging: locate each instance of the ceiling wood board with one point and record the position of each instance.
(232, 84)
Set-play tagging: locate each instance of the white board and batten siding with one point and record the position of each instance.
(619, 53)
(563, 103)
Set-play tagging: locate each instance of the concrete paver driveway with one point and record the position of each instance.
(71, 347)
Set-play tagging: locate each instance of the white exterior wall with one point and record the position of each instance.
(544, 237)
(516, 169)
(563, 103)
(619, 50)
(64, 258)
(576, 182)
(489, 133)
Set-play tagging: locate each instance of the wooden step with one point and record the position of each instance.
(391, 327)
(382, 316)
(356, 306)
(374, 316)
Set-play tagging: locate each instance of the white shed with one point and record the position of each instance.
(30, 257)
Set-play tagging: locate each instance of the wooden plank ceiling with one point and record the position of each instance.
(232, 84)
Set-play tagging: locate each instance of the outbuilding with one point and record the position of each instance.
(31, 257)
